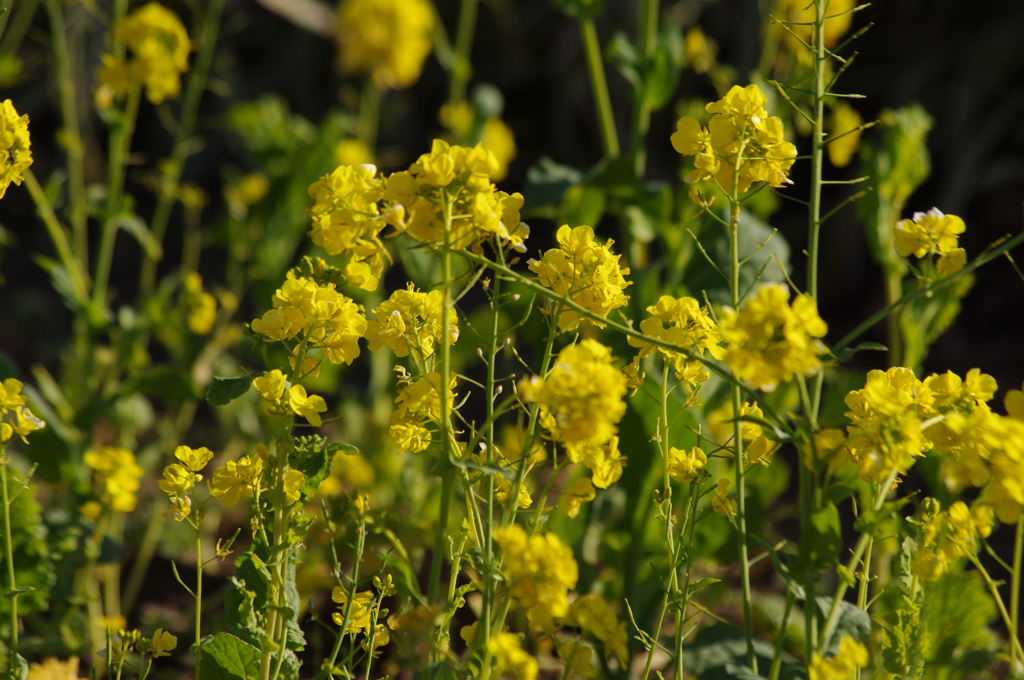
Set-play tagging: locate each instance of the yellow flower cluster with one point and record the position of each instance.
(461, 176)
(844, 134)
(932, 233)
(243, 477)
(359, 613)
(15, 416)
(180, 478)
(1014, 403)
(272, 387)
(388, 38)
(739, 134)
(582, 491)
(596, 617)
(583, 271)
(686, 466)
(159, 47)
(510, 659)
(885, 423)
(319, 315)
(409, 322)
(118, 475)
(540, 572)
(946, 536)
(851, 656)
(721, 503)
(15, 146)
(494, 134)
(201, 305)
(688, 326)
(53, 668)
(418, 403)
(347, 221)
(768, 341)
(580, 403)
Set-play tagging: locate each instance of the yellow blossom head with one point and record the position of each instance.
(15, 146)
(388, 38)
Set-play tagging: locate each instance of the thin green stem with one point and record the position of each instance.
(646, 43)
(1015, 647)
(182, 142)
(1018, 548)
(369, 113)
(346, 615)
(72, 132)
(461, 66)
(489, 583)
(817, 150)
(120, 145)
(59, 237)
(199, 591)
(599, 86)
(780, 637)
(12, 583)
(737, 404)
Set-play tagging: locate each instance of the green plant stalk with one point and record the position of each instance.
(120, 145)
(1015, 647)
(780, 638)
(809, 503)
(646, 42)
(347, 614)
(893, 292)
(817, 163)
(369, 113)
(447, 470)
(1018, 548)
(21, 22)
(182, 139)
(599, 86)
(58, 236)
(737, 403)
(689, 521)
(461, 66)
(199, 587)
(488, 524)
(69, 111)
(12, 583)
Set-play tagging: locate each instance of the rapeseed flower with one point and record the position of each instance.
(1013, 402)
(510, 658)
(739, 134)
(768, 341)
(932, 233)
(409, 322)
(686, 466)
(158, 45)
(118, 475)
(359, 614)
(238, 478)
(418, 403)
(721, 503)
(946, 536)
(581, 400)
(851, 656)
(584, 271)
(582, 491)
(52, 668)
(15, 417)
(596, 617)
(844, 134)
(390, 39)
(15, 146)
(540, 572)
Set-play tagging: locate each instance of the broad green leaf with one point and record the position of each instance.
(623, 55)
(852, 621)
(234, 658)
(223, 391)
(546, 183)
(663, 73)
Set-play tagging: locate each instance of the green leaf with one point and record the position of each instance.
(847, 353)
(134, 225)
(624, 56)
(666, 64)
(33, 567)
(234, 658)
(223, 391)
(247, 598)
(581, 204)
(852, 621)
(824, 540)
(546, 183)
(719, 652)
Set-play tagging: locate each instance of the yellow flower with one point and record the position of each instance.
(270, 385)
(843, 124)
(202, 306)
(583, 271)
(162, 643)
(582, 491)
(799, 16)
(685, 467)
(932, 233)
(159, 47)
(843, 666)
(15, 146)
(739, 135)
(581, 400)
(596, 617)
(308, 407)
(388, 38)
(15, 416)
(509, 657)
(118, 474)
(359, 615)
(1014, 403)
(503, 489)
(54, 669)
(721, 503)
(540, 571)
(353, 151)
(194, 459)
(294, 481)
(178, 480)
(769, 341)
(409, 322)
(237, 479)
(497, 138)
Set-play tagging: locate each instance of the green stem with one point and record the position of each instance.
(1018, 548)
(893, 292)
(12, 584)
(489, 583)
(1015, 647)
(646, 43)
(182, 140)
(369, 113)
(737, 404)
(347, 614)
(461, 66)
(58, 236)
(780, 637)
(447, 470)
(199, 590)
(817, 150)
(599, 86)
(72, 132)
(120, 145)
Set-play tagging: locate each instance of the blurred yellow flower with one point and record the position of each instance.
(15, 146)
(388, 38)
(843, 127)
